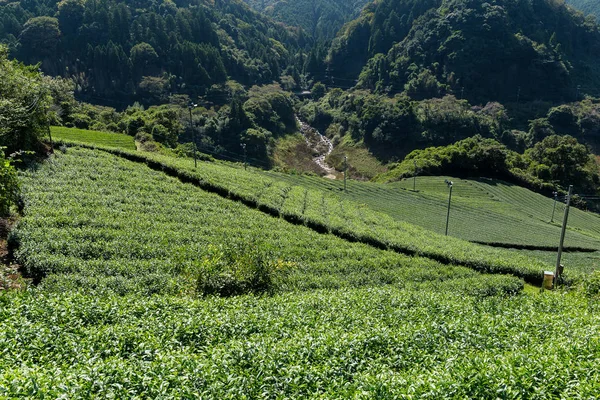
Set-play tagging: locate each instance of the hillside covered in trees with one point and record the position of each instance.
(121, 51)
(502, 50)
(587, 6)
(322, 19)
(405, 75)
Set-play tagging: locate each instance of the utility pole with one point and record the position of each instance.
(245, 158)
(415, 177)
(558, 271)
(345, 170)
(554, 208)
(518, 94)
(190, 106)
(450, 184)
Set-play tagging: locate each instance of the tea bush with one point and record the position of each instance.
(232, 271)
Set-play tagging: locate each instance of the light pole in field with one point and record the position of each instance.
(554, 208)
(345, 170)
(415, 176)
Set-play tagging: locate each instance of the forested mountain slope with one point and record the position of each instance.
(129, 50)
(587, 6)
(321, 18)
(502, 50)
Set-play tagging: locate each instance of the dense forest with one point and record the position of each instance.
(587, 6)
(503, 50)
(405, 75)
(322, 19)
(120, 51)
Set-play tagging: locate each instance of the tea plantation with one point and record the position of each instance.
(326, 212)
(92, 137)
(485, 210)
(158, 280)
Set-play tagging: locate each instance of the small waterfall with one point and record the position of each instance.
(320, 144)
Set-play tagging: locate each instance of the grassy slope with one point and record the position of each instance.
(93, 137)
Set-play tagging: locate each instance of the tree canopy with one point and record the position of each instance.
(322, 19)
(23, 105)
(591, 7)
(118, 51)
(501, 50)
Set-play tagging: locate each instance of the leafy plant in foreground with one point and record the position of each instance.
(235, 270)
(9, 186)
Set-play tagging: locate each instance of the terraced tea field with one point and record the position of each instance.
(484, 211)
(120, 250)
(108, 139)
(581, 262)
(325, 212)
(97, 221)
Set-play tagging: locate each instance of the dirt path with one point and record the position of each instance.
(320, 145)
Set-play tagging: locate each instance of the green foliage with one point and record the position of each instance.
(556, 161)
(70, 15)
(233, 271)
(23, 105)
(380, 342)
(591, 284)
(424, 86)
(93, 137)
(587, 7)
(325, 212)
(115, 317)
(9, 186)
(143, 59)
(188, 239)
(474, 157)
(321, 19)
(256, 118)
(483, 210)
(372, 33)
(392, 127)
(564, 160)
(490, 51)
(120, 52)
(39, 39)
(318, 90)
(581, 120)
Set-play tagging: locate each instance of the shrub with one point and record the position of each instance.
(591, 286)
(187, 150)
(81, 121)
(235, 270)
(113, 127)
(9, 186)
